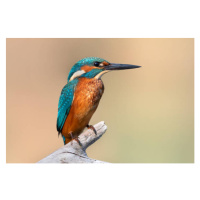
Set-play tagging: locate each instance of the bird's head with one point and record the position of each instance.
(91, 67)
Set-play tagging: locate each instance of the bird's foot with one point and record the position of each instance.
(92, 127)
(76, 139)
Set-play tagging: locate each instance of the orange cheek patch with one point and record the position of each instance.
(87, 68)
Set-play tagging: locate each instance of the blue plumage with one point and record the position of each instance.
(65, 102)
(67, 94)
(90, 89)
(89, 61)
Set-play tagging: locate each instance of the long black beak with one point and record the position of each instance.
(115, 66)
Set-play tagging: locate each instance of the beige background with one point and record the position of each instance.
(149, 111)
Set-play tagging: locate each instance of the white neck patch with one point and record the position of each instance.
(98, 76)
(77, 74)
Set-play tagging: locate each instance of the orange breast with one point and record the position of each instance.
(86, 99)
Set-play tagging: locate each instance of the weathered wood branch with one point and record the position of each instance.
(73, 152)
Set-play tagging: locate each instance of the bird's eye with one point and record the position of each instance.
(96, 64)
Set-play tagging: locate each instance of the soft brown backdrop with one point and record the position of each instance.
(149, 111)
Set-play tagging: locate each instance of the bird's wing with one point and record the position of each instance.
(65, 102)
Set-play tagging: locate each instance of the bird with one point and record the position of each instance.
(81, 95)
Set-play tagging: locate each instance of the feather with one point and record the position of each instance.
(65, 102)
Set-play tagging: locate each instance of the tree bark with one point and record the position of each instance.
(73, 152)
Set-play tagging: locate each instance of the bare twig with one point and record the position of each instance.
(73, 152)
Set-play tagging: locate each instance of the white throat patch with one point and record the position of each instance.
(98, 76)
(77, 74)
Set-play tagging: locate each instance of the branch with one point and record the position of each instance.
(73, 152)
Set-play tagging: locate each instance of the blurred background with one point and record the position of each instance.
(149, 111)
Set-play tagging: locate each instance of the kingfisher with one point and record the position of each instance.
(80, 97)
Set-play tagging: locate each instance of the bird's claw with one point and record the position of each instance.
(92, 127)
(76, 139)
